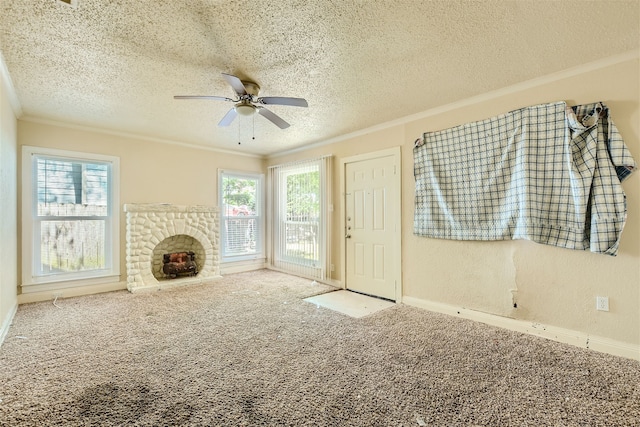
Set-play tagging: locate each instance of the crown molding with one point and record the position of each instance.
(508, 90)
(134, 136)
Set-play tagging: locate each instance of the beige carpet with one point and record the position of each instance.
(248, 351)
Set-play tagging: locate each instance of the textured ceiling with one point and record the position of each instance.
(116, 64)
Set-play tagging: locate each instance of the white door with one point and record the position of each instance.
(372, 211)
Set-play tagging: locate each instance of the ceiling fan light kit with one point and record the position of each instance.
(247, 102)
(245, 109)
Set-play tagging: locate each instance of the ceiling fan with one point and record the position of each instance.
(247, 102)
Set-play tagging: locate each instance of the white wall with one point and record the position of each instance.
(8, 205)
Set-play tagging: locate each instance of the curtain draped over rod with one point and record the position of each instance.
(298, 205)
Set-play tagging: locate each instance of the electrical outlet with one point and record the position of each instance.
(333, 267)
(602, 303)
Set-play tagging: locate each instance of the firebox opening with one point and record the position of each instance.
(180, 243)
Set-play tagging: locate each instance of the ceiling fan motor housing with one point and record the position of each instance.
(245, 107)
(251, 88)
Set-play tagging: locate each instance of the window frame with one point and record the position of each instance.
(260, 215)
(31, 280)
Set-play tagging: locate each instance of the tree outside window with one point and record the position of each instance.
(241, 215)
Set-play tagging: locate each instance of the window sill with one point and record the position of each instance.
(242, 258)
(57, 284)
(239, 266)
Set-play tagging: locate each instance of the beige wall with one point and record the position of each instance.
(150, 172)
(554, 286)
(8, 221)
(375, 141)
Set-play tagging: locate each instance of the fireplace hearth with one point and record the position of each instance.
(157, 230)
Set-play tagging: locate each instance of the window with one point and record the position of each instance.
(70, 216)
(300, 194)
(241, 215)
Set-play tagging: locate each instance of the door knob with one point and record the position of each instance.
(348, 236)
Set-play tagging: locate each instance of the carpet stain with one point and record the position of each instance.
(249, 410)
(178, 414)
(115, 402)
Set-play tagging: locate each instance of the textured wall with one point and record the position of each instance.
(8, 207)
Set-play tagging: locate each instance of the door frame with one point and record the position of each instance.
(396, 199)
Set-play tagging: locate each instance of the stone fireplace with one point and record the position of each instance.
(156, 229)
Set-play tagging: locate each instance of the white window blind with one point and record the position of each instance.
(241, 215)
(299, 209)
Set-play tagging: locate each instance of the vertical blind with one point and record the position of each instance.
(299, 212)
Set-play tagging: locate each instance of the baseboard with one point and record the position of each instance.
(48, 295)
(327, 281)
(242, 266)
(567, 336)
(333, 282)
(6, 323)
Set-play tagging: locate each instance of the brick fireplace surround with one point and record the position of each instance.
(153, 229)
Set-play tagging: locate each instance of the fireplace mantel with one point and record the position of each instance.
(148, 225)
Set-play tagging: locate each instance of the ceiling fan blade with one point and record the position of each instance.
(228, 118)
(274, 118)
(235, 83)
(280, 100)
(215, 98)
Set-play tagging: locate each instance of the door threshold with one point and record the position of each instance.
(353, 304)
(371, 296)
